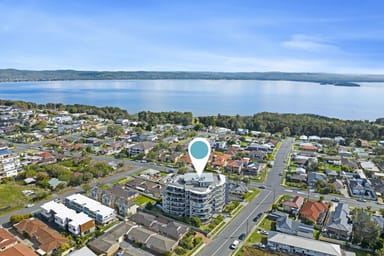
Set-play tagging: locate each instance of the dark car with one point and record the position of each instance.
(262, 186)
(336, 200)
(242, 236)
(257, 217)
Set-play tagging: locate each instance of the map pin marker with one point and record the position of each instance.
(199, 150)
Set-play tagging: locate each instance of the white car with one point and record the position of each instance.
(29, 205)
(234, 244)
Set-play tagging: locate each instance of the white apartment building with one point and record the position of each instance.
(76, 223)
(101, 213)
(189, 195)
(9, 163)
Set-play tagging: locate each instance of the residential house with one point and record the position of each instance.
(151, 188)
(150, 240)
(108, 244)
(252, 168)
(308, 147)
(47, 158)
(361, 188)
(379, 221)
(338, 184)
(294, 205)
(150, 174)
(117, 197)
(314, 211)
(369, 166)
(295, 177)
(331, 174)
(350, 163)
(301, 245)
(219, 161)
(85, 251)
(378, 185)
(9, 246)
(47, 239)
(339, 226)
(259, 147)
(258, 155)
(141, 148)
(54, 182)
(275, 215)
(219, 145)
(236, 190)
(234, 166)
(160, 225)
(314, 177)
(289, 226)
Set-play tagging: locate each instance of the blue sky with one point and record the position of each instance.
(286, 35)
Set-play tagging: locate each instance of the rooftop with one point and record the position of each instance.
(90, 204)
(202, 184)
(305, 243)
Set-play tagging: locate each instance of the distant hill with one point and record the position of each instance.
(14, 75)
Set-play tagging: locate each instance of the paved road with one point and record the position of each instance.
(243, 222)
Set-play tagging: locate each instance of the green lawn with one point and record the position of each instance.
(11, 196)
(253, 192)
(141, 200)
(256, 237)
(267, 224)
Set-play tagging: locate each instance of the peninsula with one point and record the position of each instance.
(14, 75)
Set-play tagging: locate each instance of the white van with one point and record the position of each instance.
(234, 244)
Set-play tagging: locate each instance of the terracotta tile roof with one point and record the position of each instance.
(234, 163)
(45, 155)
(18, 250)
(6, 239)
(48, 238)
(296, 202)
(220, 160)
(312, 210)
(308, 147)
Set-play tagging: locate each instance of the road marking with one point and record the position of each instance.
(245, 220)
(301, 193)
(288, 190)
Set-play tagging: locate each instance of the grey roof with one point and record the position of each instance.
(379, 220)
(285, 222)
(304, 243)
(315, 176)
(107, 240)
(160, 243)
(118, 190)
(159, 225)
(85, 251)
(146, 145)
(331, 172)
(339, 218)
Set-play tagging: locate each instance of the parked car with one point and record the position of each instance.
(29, 205)
(264, 232)
(242, 236)
(234, 244)
(361, 200)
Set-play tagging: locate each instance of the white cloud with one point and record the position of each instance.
(308, 43)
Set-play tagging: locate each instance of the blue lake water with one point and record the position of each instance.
(209, 97)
